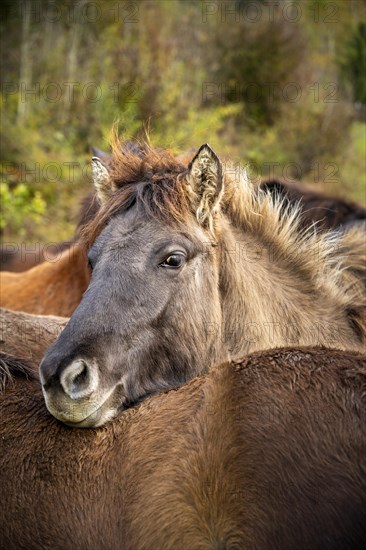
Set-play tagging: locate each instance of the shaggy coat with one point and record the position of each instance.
(28, 336)
(265, 452)
(325, 211)
(51, 297)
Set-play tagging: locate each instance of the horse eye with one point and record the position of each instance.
(174, 261)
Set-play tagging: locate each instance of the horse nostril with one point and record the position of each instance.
(79, 379)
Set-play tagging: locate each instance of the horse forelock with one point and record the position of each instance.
(152, 180)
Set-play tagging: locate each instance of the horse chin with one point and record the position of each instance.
(95, 419)
(91, 415)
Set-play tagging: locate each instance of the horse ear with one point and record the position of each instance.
(102, 181)
(99, 153)
(206, 182)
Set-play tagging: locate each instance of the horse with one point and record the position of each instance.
(56, 285)
(28, 336)
(20, 257)
(50, 288)
(326, 211)
(262, 452)
(190, 266)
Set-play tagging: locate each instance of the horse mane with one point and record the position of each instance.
(333, 261)
(12, 367)
(327, 211)
(89, 207)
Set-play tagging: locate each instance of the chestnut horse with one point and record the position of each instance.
(19, 258)
(190, 266)
(266, 452)
(52, 287)
(55, 286)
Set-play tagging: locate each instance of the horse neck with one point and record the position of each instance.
(266, 303)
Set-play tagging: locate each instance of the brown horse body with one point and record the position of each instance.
(262, 453)
(56, 285)
(53, 288)
(28, 336)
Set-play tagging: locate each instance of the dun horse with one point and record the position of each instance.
(52, 297)
(262, 453)
(190, 266)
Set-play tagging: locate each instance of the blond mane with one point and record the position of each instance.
(333, 261)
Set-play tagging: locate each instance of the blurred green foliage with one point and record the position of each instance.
(353, 64)
(20, 202)
(279, 85)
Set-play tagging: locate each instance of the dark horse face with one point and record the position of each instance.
(144, 322)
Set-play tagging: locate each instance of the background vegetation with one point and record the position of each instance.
(279, 85)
